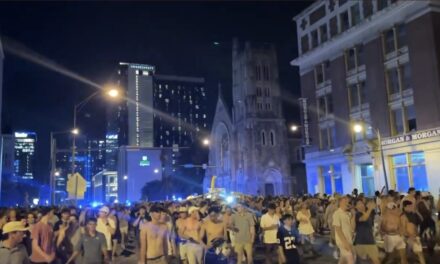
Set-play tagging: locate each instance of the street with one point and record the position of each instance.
(321, 246)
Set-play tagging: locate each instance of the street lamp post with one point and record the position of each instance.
(111, 92)
(53, 172)
(358, 128)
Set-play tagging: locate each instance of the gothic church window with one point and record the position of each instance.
(258, 72)
(263, 138)
(272, 138)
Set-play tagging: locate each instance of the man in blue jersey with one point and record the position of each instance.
(288, 239)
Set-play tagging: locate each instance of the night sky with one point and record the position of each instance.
(91, 38)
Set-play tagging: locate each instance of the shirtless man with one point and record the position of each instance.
(212, 226)
(410, 221)
(180, 225)
(391, 231)
(191, 232)
(154, 239)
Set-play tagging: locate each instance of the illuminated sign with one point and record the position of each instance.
(305, 121)
(21, 135)
(144, 162)
(412, 137)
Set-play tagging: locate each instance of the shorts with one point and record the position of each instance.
(158, 260)
(270, 248)
(364, 251)
(415, 245)
(246, 247)
(183, 251)
(393, 242)
(124, 229)
(344, 252)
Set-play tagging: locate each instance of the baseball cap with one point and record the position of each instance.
(183, 209)
(13, 227)
(104, 209)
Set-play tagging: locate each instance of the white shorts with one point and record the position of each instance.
(393, 242)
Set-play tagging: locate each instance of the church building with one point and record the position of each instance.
(248, 142)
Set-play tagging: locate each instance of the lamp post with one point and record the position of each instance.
(53, 172)
(358, 128)
(110, 92)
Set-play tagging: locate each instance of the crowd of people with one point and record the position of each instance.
(387, 228)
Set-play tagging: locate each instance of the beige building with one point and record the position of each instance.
(374, 63)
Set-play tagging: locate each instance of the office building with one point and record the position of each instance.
(89, 160)
(105, 187)
(249, 151)
(137, 167)
(24, 163)
(161, 111)
(370, 65)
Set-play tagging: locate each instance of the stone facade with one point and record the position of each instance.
(249, 150)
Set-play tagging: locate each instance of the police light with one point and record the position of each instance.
(229, 199)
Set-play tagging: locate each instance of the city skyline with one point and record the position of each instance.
(171, 52)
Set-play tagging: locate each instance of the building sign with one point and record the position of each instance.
(412, 137)
(305, 121)
(144, 162)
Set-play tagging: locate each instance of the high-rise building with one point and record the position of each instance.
(24, 163)
(89, 161)
(137, 80)
(161, 111)
(370, 87)
(249, 150)
(8, 169)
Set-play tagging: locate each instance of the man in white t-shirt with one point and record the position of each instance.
(106, 226)
(344, 222)
(269, 224)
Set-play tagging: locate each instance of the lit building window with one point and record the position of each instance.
(331, 177)
(409, 171)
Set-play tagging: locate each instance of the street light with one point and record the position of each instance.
(206, 142)
(293, 128)
(111, 92)
(156, 171)
(53, 172)
(358, 128)
(125, 177)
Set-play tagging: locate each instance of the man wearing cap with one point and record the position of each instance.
(180, 224)
(154, 239)
(106, 226)
(191, 232)
(43, 244)
(269, 224)
(391, 230)
(11, 249)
